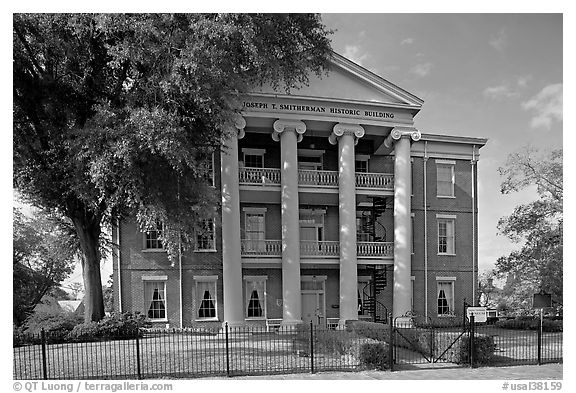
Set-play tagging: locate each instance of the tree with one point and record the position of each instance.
(43, 256)
(115, 115)
(537, 226)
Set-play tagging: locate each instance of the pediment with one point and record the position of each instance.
(347, 81)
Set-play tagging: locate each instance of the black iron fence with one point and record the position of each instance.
(196, 352)
(193, 352)
(457, 341)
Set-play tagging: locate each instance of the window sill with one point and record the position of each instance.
(446, 316)
(445, 255)
(255, 318)
(147, 250)
(160, 320)
(207, 320)
(445, 197)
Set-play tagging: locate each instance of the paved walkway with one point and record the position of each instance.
(533, 373)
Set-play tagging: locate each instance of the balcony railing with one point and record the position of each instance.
(317, 178)
(310, 248)
(271, 176)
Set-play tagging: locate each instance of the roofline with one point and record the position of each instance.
(454, 138)
(375, 80)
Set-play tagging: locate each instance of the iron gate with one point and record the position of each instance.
(417, 342)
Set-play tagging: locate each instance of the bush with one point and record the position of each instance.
(530, 323)
(376, 331)
(483, 350)
(114, 326)
(55, 322)
(374, 355)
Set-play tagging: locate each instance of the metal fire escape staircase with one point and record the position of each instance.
(374, 307)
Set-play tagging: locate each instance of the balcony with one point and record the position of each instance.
(326, 248)
(310, 178)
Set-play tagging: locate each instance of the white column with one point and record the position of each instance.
(401, 138)
(231, 251)
(347, 136)
(289, 133)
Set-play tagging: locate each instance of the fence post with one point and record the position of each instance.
(138, 353)
(471, 345)
(540, 339)
(311, 348)
(227, 351)
(391, 343)
(44, 360)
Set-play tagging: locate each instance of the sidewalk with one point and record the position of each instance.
(533, 373)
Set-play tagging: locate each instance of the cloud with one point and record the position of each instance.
(499, 41)
(352, 52)
(407, 41)
(507, 90)
(499, 92)
(422, 69)
(546, 106)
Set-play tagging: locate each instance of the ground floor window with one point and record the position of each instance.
(255, 297)
(155, 299)
(206, 301)
(445, 297)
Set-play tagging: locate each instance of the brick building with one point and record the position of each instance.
(334, 207)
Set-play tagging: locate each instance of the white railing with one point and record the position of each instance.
(261, 176)
(261, 247)
(271, 176)
(311, 248)
(317, 178)
(375, 249)
(375, 180)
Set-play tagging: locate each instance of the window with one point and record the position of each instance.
(445, 235)
(254, 229)
(205, 238)
(207, 167)
(254, 158)
(445, 297)
(155, 299)
(206, 302)
(152, 238)
(309, 159)
(445, 178)
(361, 166)
(255, 297)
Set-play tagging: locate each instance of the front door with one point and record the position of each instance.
(313, 307)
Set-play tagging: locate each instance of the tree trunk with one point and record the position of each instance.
(88, 229)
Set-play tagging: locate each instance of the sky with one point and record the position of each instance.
(495, 76)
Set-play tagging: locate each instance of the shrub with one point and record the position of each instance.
(483, 350)
(374, 355)
(376, 331)
(114, 326)
(524, 323)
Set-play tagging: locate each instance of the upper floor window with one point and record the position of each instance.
(206, 166)
(361, 163)
(152, 238)
(310, 159)
(445, 178)
(206, 236)
(446, 234)
(253, 158)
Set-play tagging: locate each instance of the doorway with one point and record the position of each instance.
(313, 300)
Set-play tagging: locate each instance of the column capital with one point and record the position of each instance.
(400, 132)
(356, 130)
(240, 124)
(282, 125)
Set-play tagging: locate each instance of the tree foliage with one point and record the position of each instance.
(537, 226)
(44, 248)
(117, 114)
